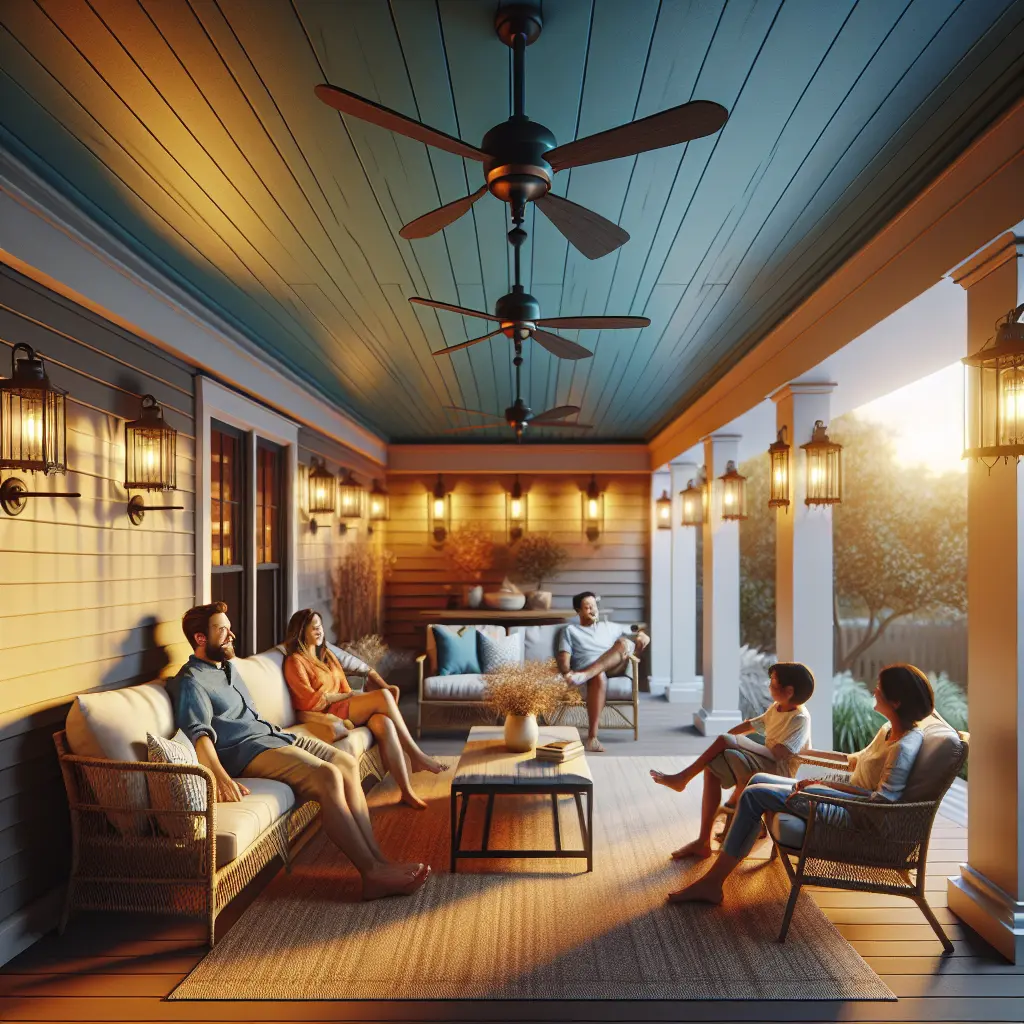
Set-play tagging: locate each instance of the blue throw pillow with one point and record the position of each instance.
(456, 652)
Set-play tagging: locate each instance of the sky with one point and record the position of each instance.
(926, 419)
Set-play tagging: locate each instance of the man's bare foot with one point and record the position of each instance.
(414, 801)
(577, 678)
(702, 891)
(594, 745)
(678, 782)
(698, 849)
(392, 880)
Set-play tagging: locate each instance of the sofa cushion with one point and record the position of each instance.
(469, 686)
(240, 824)
(431, 647)
(176, 792)
(939, 753)
(113, 724)
(539, 642)
(456, 651)
(263, 675)
(494, 652)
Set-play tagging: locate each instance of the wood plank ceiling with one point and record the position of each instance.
(190, 128)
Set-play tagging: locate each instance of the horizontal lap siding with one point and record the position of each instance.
(87, 601)
(615, 567)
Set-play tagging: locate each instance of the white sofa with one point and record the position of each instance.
(457, 700)
(122, 857)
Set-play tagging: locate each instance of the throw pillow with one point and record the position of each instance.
(495, 652)
(171, 792)
(456, 652)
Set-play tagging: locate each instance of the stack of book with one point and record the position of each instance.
(560, 750)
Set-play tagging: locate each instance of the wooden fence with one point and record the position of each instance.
(931, 646)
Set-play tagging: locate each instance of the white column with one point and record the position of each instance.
(721, 577)
(687, 685)
(661, 590)
(989, 892)
(803, 558)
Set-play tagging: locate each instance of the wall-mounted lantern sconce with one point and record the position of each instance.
(515, 511)
(994, 399)
(692, 498)
(734, 493)
(322, 493)
(33, 428)
(379, 505)
(351, 500)
(824, 468)
(663, 511)
(778, 458)
(593, 510)
(150, 449)
(439, 511)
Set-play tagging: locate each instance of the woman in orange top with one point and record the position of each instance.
(318, 683)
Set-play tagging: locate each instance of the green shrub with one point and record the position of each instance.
(854, 719)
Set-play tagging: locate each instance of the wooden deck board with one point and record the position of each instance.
(117, 967)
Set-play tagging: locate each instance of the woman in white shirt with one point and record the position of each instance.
(880, 771)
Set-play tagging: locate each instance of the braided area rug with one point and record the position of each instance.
(533, 929)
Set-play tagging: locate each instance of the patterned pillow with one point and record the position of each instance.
(176, 792)
(494, 652)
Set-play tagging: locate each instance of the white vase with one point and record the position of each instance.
(474, 596)
(521, 733)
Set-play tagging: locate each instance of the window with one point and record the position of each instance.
(229, 579)
(270, 610)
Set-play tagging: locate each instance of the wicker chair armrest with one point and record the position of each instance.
(634, 673)
(139, 766)
(875, 831)
(823, 762)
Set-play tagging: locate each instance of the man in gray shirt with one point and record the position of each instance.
(589, 652)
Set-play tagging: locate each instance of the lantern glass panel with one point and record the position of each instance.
(663, 511)
(515, 512)
(734, 493)
(322, 491)
(351, 499)
(593, 511)
(379, 504)
(150, 448)
(33, 431)
(824, 485)
(692, 500)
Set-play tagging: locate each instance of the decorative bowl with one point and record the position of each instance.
(501, 601)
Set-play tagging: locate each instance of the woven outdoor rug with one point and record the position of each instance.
(532, 929)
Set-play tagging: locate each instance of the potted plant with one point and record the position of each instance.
(521, 693)
(471, 551)
(540, 558)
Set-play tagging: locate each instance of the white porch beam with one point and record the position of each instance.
(989, 892)
(687, 685)
(803, 558)
(719, 710)
(661, 591)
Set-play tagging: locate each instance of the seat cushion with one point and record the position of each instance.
(263, 675)
(114, 724)
(171, 792)
(619, 688)
(239, 824)
(933, 766)
(539, 642)
(468, 686)
(787, 829)
(431, 647)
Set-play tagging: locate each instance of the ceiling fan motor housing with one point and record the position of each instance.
(516, 168)
(517, 307)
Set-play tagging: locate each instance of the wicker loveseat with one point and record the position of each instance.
(129, 851)
(457, 700)
(876, 846)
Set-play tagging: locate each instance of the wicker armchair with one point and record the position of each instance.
(865, 846)
(138, 868)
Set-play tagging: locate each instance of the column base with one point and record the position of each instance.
(991, 912)
(689, 692)
(658, 685)
(714, 723)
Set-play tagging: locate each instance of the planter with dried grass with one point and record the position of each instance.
(358, 590)
(539, 557)
(378, 655)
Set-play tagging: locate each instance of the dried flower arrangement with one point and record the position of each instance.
(471, 549)
(540, 557)
(533, 688)
(358, 588)
(378, 655)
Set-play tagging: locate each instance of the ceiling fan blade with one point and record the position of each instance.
(465, 344)
(558, 413)
(678, 124)
(454, 309)
(570, 426)
(589, 232)
(473, 412)
(479, 426)
(561, 347)
(431, 223)
(600, 323)
(366, 110)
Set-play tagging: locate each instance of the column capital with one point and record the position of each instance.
(1006, 247)
(802, 387)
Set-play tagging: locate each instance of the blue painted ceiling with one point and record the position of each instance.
(191, 129)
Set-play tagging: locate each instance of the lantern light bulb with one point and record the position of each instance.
(592, 508)
(517, 508)
(438, 508)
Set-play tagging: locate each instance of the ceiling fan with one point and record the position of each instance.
(518, 313)
(519, 156)
(519, 415)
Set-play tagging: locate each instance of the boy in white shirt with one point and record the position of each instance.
(732, 759)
